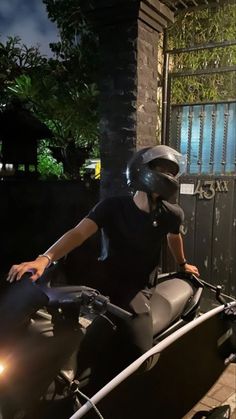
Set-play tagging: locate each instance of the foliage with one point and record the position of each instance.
(48, 167)
(197, 28)
(78, 43)
(67, 109)
(209, 24)
(208, 88)
(61, 91)
(16, 59)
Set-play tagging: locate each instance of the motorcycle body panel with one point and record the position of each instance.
(187, 365)
(187, 357)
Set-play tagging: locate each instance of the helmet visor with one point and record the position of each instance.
(165, 153)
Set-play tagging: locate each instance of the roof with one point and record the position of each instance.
(18, 123)
(178, 6)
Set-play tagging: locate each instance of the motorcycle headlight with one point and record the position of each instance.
(2, 368)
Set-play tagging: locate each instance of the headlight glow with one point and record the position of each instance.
(2, 368)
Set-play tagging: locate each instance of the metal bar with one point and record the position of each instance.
(183, 3)
(178, 131)
(190, 125)
(235, 164)
(168, 112)
(225, 137)
(205, 103)
(206, 71)
(202, 47)
(165, 90)
(235, 160)
(213, 137)
(170, 4)
(201, 131)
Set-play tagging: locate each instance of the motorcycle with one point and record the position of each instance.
(47, 371)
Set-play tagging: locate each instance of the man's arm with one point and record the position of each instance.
(69, 241)
(175, 243)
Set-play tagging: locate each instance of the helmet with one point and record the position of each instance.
(156, 169)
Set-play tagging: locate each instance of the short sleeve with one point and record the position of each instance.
(176, 221)
(100, 213)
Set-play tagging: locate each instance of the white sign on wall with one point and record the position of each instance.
(187, 188)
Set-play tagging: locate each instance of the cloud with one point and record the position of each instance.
(27, 19)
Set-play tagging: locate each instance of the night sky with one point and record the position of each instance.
(27, 19)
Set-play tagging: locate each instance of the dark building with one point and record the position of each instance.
(20, 131)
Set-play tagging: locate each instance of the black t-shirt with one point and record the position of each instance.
(131, 241)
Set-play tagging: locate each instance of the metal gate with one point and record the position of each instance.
(204, 130)
(206, 133)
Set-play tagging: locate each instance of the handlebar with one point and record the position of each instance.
(200, 284)
(101, 304)
(119, 312)
(87, 299)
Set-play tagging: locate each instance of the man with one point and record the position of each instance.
(133, 229)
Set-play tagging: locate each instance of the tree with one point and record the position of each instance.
(16, 59)
(69, 110)
(62, 90)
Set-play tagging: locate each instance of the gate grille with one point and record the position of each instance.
(206, 133)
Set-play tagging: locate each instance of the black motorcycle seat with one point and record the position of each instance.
(168, 302)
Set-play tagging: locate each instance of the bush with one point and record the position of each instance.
(48, 167)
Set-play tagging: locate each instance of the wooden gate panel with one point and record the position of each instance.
(232, 243)
(209, 228)
(221, 236)
(203, 236)
(188, 203)
(205, 133)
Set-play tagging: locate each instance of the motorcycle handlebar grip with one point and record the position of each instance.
(119, 312)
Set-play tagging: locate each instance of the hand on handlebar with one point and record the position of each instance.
(191, 269)
(36, 267)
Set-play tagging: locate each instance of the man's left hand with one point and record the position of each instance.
(190, 268)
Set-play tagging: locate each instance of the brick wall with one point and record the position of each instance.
(118, 103)
(128, 32)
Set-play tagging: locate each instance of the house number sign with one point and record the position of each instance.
(207, 189)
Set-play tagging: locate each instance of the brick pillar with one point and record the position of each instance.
(128, 32)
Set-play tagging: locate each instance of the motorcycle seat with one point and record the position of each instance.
(168, 301)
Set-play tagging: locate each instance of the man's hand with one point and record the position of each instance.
(190, 268)
(175, 243)
(36, 267)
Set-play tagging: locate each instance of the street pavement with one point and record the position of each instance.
(223, 392)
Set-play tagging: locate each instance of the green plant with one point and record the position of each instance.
(61, 91)
(197, 28)
(48, 167)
